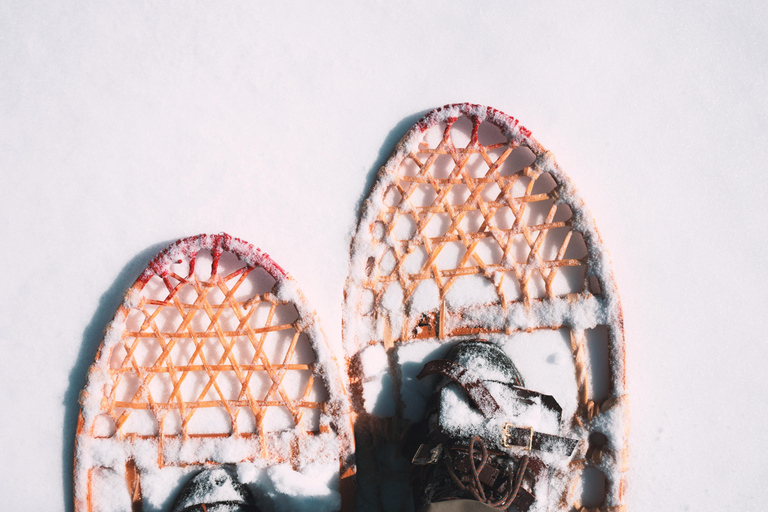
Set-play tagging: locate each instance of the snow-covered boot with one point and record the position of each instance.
(215, 490)
(483, 434)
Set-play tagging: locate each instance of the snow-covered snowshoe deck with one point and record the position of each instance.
(213, 358)
(471, 230)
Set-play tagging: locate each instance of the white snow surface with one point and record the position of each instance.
(127, 126)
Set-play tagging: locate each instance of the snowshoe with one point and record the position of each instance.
(471, 238)
(214, 359)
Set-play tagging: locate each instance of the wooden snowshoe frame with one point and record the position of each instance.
(214, 357)
(469, 198)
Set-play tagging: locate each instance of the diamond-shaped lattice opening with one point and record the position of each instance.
(134, 320)
(450, 255)
(461, 132)
(259, 384)
(488, 251)
(127, 386)
(203, 265)
(511, 287)
(228, 385)
(476, 166)
(434, 135)
(295, 383)
(319, 391)
(503, 218)
(520, 158)
(563, 213)
(227, 320)
(215, 295)
(187, 295)
(276, 345)
(458, 194)
(160, 387)
(425, 297)
(259, 314)
(118, 356)
(414, 261)
(172, 423)
(536, 286)
(471, 221)
(536, 212)
(141, 422)
(192, 385)
(422, 195)
(519, 249)
(404, 227)
(471, 290)
(209, 420)
(181, 351)
(545, 184)
(257, 282)
(490, 192)
(392, 196)
(568, 280)
(519, 186)
(229, 263)
(489, 133)
(212, 350)
(553, 242)
(442, 167)
(168, 319)
(155, 289)
(243, 350)
(409, 167)
(387, 263)
(437, 225)
(277, 418)
(495, 154)
(577, 248)
(200, 320)
(303, 353)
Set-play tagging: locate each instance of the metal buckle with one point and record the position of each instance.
(424, 455)
(506, 433)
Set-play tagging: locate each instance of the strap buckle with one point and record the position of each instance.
(506, 433)
(426, 455)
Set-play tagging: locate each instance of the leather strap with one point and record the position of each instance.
(474, 387)
(517, 436)
(484, 401)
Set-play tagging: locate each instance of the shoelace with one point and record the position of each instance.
(475, 487)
